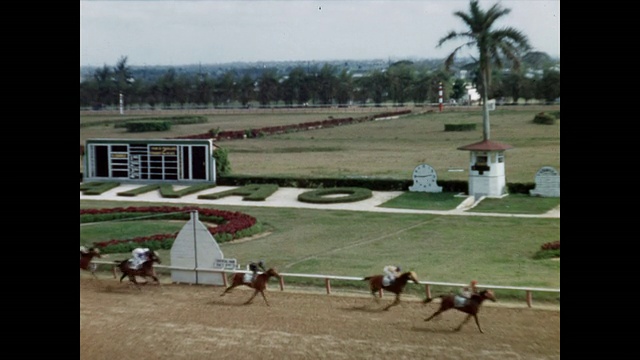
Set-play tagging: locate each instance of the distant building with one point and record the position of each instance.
(472, 96)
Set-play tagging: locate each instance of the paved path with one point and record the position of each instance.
(288, 197)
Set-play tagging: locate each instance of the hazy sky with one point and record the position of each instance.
(185, 32)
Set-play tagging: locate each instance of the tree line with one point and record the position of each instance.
(400, 83)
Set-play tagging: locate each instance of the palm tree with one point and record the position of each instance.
(493, 46)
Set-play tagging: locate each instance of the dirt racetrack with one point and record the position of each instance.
(172, 321)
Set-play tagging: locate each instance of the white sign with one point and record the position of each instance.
(195, 248)
(491, 104)
(225, 264)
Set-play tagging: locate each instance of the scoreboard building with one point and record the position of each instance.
(149, 161)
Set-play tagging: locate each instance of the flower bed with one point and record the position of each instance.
(233, 225)
(272, 130)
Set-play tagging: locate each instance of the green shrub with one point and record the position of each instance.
(140, 190)
(257, 192)
(144, 126)
(166, 190)
(548, 250)
(547, 254)
(97, 188)
(545, 119)
(322, 196)
(459, 127)
(223, 166)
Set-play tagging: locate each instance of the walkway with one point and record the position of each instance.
(288, 197)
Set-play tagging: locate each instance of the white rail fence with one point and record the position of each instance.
(327, 280)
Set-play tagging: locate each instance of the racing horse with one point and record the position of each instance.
(396, 287)
(85, 259)
(470, 307)
(145, 270)
(259, 284)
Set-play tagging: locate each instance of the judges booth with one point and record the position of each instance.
(153, 161)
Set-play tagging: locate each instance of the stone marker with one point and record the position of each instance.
(547, 183)
(424, 179)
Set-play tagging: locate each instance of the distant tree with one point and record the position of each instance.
(268, 87)
(224, 89)
(168, 87)
(378, 86)
(361, 86)
(513, 84)
(104, 85)
(400, 77)
(292, 86)
(326, 83)
(204, 89)
(458, 89)
(344, 88)
(548, 87)
(492, 45)
(537, 59)
(122, 75)
(184, 89)
(246, 90)
(420, 87)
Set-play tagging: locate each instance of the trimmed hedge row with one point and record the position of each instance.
(144, 126)
(458, 186)
(322, 196)
(459, 127)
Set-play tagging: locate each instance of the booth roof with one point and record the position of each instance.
(486, 145)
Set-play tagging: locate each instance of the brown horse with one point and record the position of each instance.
(259, 284)
(396, 287)
(85, 260)
(145, 270)
(471, 306)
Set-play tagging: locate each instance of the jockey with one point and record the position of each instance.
(465, 294)
(253, 266)
(83, 250)
(468, 291)
(391, 272)
(139, 256)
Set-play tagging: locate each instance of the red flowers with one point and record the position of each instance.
(554, 245)
(233, 221)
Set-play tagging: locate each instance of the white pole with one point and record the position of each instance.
(440, 96)
(121, 102)
(194, 218)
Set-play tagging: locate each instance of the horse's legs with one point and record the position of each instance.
(478, 323)
(132, 278)
(124, 275)
(265, 298)
(440, 311)
(464, 321)
(252, 296)
(394, 303)
(228, 289)
(375, 298)
(92, 268)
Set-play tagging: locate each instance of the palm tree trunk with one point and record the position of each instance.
(485, 109)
